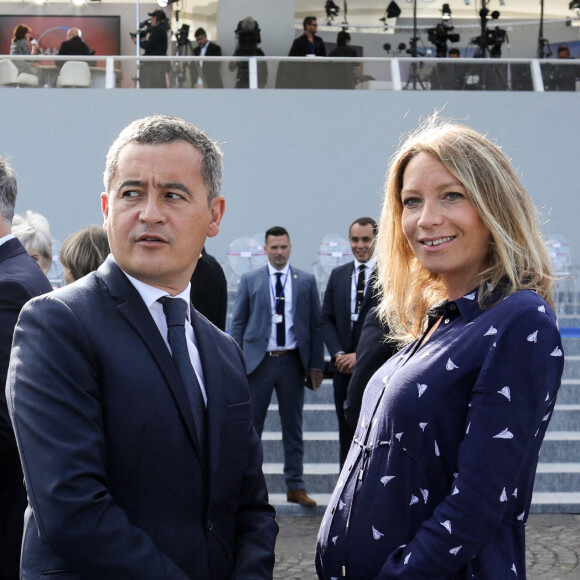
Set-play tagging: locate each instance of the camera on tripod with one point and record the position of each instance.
(492, 40)
(182, 35)
(443, 33)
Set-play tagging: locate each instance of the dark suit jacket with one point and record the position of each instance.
(108, 446)
(20, 280)
(301, 46)
(210, 70)
(252, 318)
(372, 353)
(76, 45)
(209, 290)
(336, 309)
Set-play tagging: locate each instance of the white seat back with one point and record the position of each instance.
(74, 74)
(8, 72)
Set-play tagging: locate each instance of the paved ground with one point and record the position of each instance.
(553, 547)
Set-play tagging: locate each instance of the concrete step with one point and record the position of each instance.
(318, 477)
(566, 418)
(569, 392)
(560, 446)
(319, 446)
(556, 503)
(571, 345)
(556, 477)
(316, 417)
(571, 366)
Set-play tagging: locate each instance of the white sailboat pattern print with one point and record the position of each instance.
(506, 393)
(505, 434)
(450, 365)
(376, 534)
(533, 337)
(557, 352)
(455, 551)
(385, 479)
(447, 525)
(421, 389)
(491, 331)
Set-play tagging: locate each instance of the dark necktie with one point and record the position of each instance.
(280, 326)
(360, 288)
(175, 310)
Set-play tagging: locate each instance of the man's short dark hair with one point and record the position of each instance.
(162, 130)
(454, 51)
(365, 221)
(8, 191)
(276, 231)
(200, 32)
(309, 20)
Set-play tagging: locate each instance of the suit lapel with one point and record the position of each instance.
(369, 289)
(134, 310)
(296, 280)
(344, 299)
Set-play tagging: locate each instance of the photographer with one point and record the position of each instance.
(154, 74)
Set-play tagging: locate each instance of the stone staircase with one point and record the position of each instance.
(557, 487)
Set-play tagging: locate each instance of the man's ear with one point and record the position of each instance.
(216, 209)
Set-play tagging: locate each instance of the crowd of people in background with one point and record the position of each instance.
(153, 39)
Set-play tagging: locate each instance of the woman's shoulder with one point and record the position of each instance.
(520, 306)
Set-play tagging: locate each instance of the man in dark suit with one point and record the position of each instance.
(276, 321)
(372, 353)
(347, 300)
(131, 411)
(209, 290)
(74, 44)
(207, 71)
(20, 280)
(308, 44)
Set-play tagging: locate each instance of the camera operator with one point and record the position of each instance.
(154, 74)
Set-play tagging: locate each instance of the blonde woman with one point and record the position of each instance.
(438, 482)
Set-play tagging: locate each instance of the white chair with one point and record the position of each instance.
(9, 76)
(8, 73)
(74, 74)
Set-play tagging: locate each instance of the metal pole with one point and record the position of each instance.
(541, 40)
(138, 43)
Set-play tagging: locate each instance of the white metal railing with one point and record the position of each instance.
(386, 73)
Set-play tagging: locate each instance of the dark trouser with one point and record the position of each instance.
(12, 506)
(152, 75)
(340, 383)
(286, 375)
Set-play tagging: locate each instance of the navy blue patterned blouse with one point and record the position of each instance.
(438, 481)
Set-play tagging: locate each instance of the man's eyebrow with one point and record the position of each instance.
(171, 185)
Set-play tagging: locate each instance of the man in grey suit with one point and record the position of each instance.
(276, 321)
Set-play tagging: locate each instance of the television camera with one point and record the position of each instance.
(491, 39)
(440, 35)
(144, 29)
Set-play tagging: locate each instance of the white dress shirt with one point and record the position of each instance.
(286, 281)
(369, 267)
(6, 238)
(150, 296)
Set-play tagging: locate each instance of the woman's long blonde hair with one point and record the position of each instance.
(517, 257)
